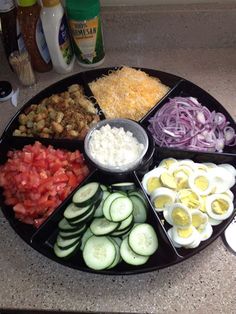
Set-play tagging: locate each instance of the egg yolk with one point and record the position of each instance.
(189, 199)
(180, 217)
(182, 178)
(168, 180)
(162, 201)
(168, 162)
(219, 206)
(185, 233)
(198, 220)
(202, 168)
(153, 183)
(201, 183)
(203, 205)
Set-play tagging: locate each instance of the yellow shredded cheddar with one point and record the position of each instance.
(127, 93)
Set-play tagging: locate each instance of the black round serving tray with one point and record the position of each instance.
(42, 239)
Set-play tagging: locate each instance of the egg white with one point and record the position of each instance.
(222, 179)
(206, 233)
(156, 172)
(230, 168)
(170, 233)
(213, 221)
(194, 244)
(164, 162)
(209, 179)
(210, 199)
(183, 209)
(162, 192)
(230, 194)
(185, 241)
(202, 216)
(190, 190)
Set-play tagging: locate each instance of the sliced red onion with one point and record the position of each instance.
(185, 123)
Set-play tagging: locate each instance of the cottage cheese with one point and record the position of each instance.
(114, 146)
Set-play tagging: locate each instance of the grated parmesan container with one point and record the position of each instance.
(86, 30)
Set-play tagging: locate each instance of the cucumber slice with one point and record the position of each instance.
(119, 233)
(118, 257)
(72, 235)
(99, 252)
(65, 226)
(129, 256)
(107, 204)
(102, 226)
(103, 187)
(117, 240)
(140, 210)
(88, 233)
(140, 195)
(121, 208)
(87, 194)
(73, 212)
(99, 209)
(61, 253)
(65, 244)
(83, 220)
(124, 186)
(143, 239)
(126, 223)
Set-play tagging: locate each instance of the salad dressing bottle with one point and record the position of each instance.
(57, 36)
(28, 15)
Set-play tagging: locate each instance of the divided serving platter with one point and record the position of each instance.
(43, 238)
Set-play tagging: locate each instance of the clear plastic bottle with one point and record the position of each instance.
(57, 36)
(28, 15)
(86, 29)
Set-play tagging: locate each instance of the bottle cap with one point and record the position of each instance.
(82, 10)
(6, 90)
(50, 3)
(229, 236)
(26, 3)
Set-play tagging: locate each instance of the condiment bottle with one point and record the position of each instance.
(57, 35)
(85, 25)
(28, 15)
(8, 22)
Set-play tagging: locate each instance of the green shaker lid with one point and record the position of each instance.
(82, 9)
(26, 3)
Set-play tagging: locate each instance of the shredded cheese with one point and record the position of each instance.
(127, 93)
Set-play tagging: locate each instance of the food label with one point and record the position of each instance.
(41, 42)
(20, 40)
(6, 5)
(87, 36)
(64, 41)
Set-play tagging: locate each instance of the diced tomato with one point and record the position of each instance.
(37, 179)
(19, 208)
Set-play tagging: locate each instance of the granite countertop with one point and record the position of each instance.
(204, 283)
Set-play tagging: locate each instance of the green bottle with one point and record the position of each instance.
(86, 30)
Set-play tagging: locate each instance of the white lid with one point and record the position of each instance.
(230, 235)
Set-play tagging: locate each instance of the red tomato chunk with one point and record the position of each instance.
(37, 179)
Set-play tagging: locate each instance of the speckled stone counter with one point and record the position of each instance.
(203, 284)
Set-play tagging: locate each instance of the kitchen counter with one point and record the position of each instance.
(204, 283)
